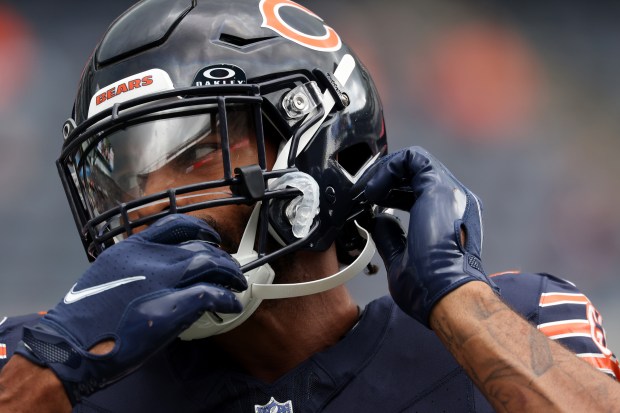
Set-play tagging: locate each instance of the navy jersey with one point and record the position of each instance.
(387, 363)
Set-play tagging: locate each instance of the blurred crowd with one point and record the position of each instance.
(519, 99)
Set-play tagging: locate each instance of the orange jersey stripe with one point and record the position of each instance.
(547, 299)
(603, 363)
(2, 351)
(562, 328)
(515, 272)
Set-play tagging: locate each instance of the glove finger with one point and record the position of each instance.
(209, 297)
(178, 228)
(175, 310)
(214, 266)
(152, 321)
(183, 306)
(389, 238)
(395, 171)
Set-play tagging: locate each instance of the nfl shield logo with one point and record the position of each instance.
(274, 407)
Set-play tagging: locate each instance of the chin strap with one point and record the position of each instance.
(274, 291)
(261, 288)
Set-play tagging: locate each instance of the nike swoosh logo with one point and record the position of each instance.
(74, 296)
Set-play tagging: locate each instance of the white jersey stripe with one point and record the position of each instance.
(594, 355)
(562, 322)
(566, 294)
(562, 302)
(607, 371)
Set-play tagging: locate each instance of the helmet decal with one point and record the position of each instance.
(131, 87)
(221, 74)
(295, 27)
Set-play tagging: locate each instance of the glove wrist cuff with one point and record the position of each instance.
(45, 348)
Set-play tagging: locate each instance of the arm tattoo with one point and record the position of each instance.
(517, 367)
(541, 358)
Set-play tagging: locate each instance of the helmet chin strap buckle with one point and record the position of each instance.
(331, 83)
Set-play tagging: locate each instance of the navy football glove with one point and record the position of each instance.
(140, 293)
(431, 260)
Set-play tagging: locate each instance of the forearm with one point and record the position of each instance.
(26, 387)
(511, 362)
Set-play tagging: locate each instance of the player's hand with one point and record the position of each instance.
(139, 294)
(442, 249)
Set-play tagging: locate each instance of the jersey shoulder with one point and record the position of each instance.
(404, 351)
(523, 290)
(562, 312)
(11, 334)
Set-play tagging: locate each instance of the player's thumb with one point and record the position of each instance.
(179, 228)
(389, 238)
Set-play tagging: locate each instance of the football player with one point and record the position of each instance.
(226, 164)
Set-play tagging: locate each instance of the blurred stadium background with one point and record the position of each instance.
(520, 99)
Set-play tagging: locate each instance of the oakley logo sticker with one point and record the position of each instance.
(298, 24)
(75, 296)
(221, 74)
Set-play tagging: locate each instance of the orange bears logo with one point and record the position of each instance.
(298, 24)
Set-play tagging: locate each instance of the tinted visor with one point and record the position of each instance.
(177, 151)
(170, 149)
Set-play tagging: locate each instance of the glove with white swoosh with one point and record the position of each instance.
(433, 259)
(140, 294)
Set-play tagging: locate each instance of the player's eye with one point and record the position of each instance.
(197, 156)
(204, 150)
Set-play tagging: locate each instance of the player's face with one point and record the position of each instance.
(204, 162)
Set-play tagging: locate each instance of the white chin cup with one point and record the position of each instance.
(211, 324)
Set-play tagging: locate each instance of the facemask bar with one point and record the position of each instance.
(97, 233)
(136, 111)
(123, 112)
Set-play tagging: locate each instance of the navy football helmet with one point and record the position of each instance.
(185, 85)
